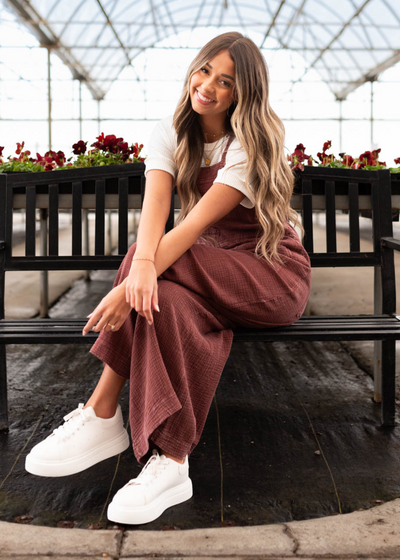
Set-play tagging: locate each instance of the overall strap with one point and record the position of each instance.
(223, 158)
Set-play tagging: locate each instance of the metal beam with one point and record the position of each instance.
(370, 76)
(47, 38)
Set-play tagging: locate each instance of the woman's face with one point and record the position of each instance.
(211, 88)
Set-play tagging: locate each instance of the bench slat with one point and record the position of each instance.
(53, 220)
(354, 221)
(307, 216)
(77, 218)
(315, 319)
(100, 216)
(330, 214)
(30, 236)
(122, 215)
(310, 328)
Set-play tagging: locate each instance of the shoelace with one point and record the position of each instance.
(152, 469)
(68, 428)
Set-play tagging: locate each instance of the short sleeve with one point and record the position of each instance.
(161, 148)
(234, 172)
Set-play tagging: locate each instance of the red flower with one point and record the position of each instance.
(124, 148)
(59, 158)
(79, 147)
(19, 147)
(367, 158)
(1, 150)
(397, 160)
(135, 149)
(346, 159)
(298, 157)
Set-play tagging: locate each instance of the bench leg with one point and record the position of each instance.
(3, 390)
(377, 371)
(377, 343)
(388, 406)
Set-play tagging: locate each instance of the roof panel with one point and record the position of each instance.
(98, 38)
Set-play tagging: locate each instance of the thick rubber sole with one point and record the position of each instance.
(150, 512)
(78, 464)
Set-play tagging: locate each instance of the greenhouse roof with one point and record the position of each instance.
(348, 42)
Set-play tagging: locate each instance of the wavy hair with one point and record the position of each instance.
(258, 129)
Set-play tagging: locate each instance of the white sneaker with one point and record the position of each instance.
(82, 441)
(162, 483)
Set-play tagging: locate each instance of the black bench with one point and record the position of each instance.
(122, 187)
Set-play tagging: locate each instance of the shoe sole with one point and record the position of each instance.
(78, 464)
(145, 514)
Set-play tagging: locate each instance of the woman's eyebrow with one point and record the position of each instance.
(224, 75)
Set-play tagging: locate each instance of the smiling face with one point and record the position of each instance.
(211, 88)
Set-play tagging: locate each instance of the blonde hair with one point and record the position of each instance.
(258, 129)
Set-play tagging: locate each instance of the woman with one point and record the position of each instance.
(231, 260)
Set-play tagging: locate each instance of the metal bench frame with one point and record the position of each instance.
(122, 188)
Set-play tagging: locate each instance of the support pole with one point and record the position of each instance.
(340, 125)
(98, 117)
(44, 275)
(372, 115)
(80, 111)
(44, 278)
(49, 93)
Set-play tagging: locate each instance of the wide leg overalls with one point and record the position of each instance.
(174, 365)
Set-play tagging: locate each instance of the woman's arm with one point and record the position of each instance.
(113, 308)
(218, 201)
(155, 212)
(141, 284)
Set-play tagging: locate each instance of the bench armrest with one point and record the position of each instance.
(391, 243)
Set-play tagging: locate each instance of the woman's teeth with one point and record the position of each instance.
(204, 99)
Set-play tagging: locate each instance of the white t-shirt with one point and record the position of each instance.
(162, 146)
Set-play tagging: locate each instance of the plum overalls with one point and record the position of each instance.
(175, 364)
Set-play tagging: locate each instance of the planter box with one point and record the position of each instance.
(341, 179)
(112, 176)
(119, 187)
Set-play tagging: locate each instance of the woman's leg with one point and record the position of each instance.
(104, 399)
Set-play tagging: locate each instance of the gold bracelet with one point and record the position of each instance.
(142, 260)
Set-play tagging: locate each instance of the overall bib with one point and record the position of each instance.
(175, 364)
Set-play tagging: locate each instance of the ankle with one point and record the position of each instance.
(102, 410)
(181, 461)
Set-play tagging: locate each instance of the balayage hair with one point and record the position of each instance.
(258, 129)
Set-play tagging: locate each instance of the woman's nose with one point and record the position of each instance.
(207, 85)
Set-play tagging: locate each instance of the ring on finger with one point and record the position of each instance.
(112, 326)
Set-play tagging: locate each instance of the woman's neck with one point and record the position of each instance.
(213, 128)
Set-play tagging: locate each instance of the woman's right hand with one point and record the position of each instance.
(111, 312)
(141, 289)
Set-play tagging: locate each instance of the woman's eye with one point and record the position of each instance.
(225, 83)
(203, 69)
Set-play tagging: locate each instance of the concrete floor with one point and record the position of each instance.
(292, 434)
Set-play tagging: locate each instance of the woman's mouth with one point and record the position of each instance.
(203, 99)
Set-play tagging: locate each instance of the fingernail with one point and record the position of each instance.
(149, 322)
(158, 309)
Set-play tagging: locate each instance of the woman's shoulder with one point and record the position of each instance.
(164, 134)
(166, 125)
(235, 151)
